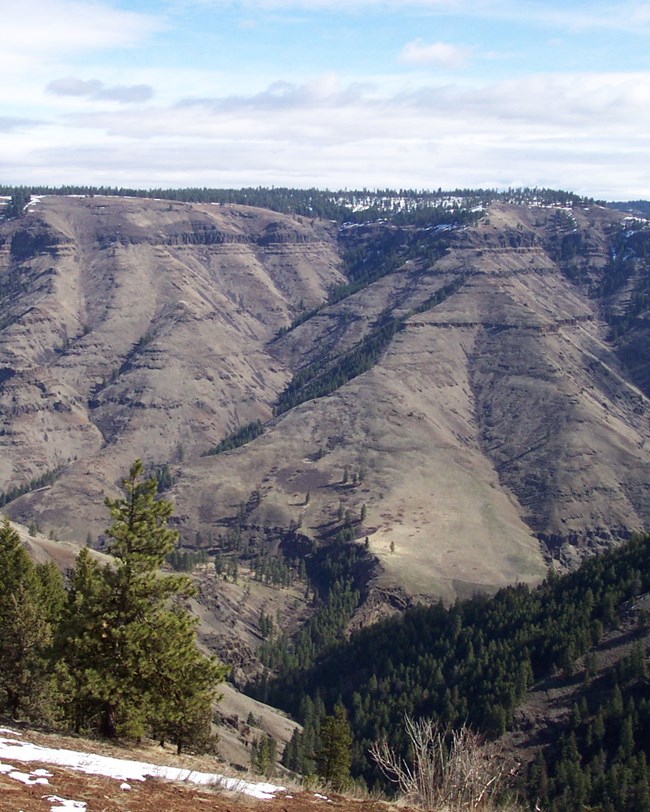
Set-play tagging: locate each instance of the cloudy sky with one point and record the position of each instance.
(328, 93)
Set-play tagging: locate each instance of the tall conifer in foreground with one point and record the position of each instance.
(131, 651)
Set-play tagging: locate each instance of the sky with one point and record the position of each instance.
(334, 94)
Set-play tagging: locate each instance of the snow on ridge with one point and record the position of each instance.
(127, 770)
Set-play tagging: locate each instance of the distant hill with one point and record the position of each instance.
(636, 207)
(460, 378)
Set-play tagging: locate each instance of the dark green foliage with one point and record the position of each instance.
(186, 560)
(243, 435)
(333, 752)
(266, 625)
(422, 207)
(164, 478)
(470, 663)
(31, 599)
(441, 294)
(627, 273)
(300, 753)
(135, 660)
(599, 759)
(182, 681)
(383, 253)
(116, 653)
(273, 570)
(20, 197)
(293, 753)
(252, 720)
(322, 379)
(264, 756)
(287, 657)
(335, 573)
(641, 207)
(621, 265)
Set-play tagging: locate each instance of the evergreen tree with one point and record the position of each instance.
(130, 650)
(52, 592)
(263, 756)
(20, 197)
(29, 601)
(333, 755)
(26, 636)
(80, 639)
(183, 681)
(293, 754)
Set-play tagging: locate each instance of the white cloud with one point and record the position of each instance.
(11, 123)
(444, 54)
(322, 91)
(624, 15)
(34, 31)
(583, 132)
(98, 91)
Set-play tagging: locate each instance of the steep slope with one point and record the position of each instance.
(460, 402)
(139, 330)
(495, 417)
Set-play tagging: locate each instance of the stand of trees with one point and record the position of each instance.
(405, 206)
(115, 651)
(599, 760)
(473, 663)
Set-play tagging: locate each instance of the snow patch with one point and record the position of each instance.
(124, 769)
(63, 805)
(27, 778)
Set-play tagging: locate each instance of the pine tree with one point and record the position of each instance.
(263, 756)
(183, 681)
(29, 602)
(131, 651)
(23, 664)
(80, 640)
(52, 591)
(333, 755)
(19, 199)
(293, 754)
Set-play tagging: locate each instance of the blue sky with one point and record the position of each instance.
(327, 93)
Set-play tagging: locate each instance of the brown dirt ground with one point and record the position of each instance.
(154, 795)
(102, 794)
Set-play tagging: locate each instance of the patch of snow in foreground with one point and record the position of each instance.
(27, 778)
(126, 770)
(62, 805)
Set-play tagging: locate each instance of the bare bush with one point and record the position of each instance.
(449, 769)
